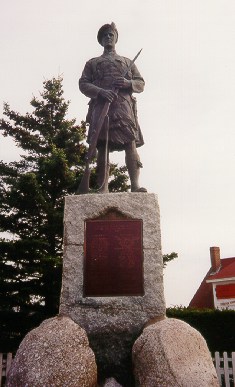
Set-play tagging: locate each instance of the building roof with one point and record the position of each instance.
(227, 270)
(203, 298)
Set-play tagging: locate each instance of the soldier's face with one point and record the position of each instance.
(108, 39)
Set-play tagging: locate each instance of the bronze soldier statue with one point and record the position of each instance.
(104, 82)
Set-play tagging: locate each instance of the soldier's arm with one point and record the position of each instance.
(137, 82)
(86, 85)
(122, 83)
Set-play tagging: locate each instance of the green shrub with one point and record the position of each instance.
(216, 326)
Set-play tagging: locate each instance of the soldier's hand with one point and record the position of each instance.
(122, 83)
(107, 94)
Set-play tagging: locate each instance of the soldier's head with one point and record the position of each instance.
(108, 35)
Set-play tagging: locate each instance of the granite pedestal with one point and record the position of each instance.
(124, 230)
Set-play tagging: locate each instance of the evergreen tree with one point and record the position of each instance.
(168, 258)
(32, 194)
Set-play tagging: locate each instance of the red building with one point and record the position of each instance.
(217, 290)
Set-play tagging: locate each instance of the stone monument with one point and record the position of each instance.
(112, 276)
(112, 297)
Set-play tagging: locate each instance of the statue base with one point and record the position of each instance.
(112, 272)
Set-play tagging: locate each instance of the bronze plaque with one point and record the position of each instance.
(113, 258)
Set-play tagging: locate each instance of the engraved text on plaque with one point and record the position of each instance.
(113, 258)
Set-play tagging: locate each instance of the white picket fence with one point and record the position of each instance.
(5, 363)
(225, 368)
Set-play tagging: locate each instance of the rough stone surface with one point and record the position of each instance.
(111, 382)
(112, 323)
(170, 353)
(135, 205)
(55, 354)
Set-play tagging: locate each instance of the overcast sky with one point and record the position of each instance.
(187, 111)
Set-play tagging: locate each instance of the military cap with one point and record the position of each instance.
(104, 28)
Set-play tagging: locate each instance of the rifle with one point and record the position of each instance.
(84, 184)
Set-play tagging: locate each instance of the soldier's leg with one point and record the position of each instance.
(102, 170)
(133, 166)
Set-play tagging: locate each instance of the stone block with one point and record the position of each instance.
(57, 353)
(112, 323)
(170, 353)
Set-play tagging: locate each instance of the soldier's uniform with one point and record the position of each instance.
(100, 73)
(98, 80)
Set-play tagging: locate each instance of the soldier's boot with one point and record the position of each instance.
(133, 166)
(102, 170)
